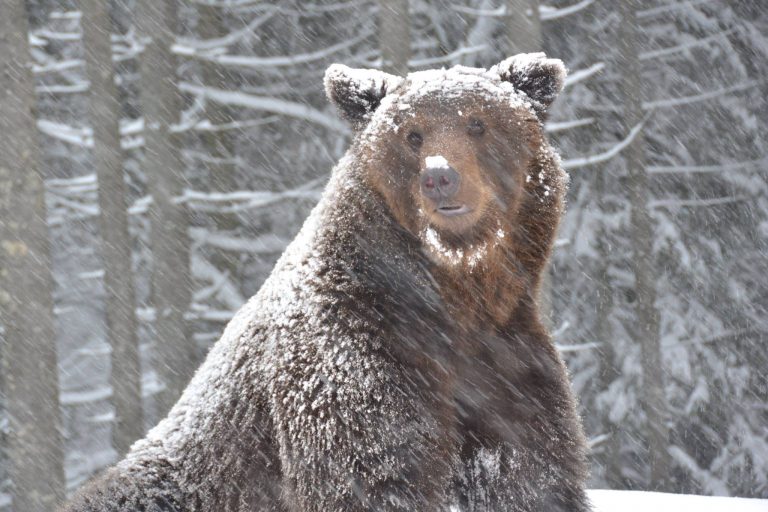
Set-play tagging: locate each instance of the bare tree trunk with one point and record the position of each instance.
(394, 36)
(604, 334)
(171, 286)
(29, 354)
(641, 228)
(523, 26)
(219, 139)
(116, 250)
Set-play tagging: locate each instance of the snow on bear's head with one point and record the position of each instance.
(451, 150)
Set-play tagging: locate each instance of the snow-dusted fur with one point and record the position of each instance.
(345, 383)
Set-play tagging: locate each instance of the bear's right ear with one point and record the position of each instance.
(357, 93)
(535, 75)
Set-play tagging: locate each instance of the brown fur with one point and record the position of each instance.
(511, 271)
(370, 372)
(501, 349)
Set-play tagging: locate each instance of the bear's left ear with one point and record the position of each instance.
(357, 93)
(540, 78)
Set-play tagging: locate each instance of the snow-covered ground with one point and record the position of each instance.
(638, 501)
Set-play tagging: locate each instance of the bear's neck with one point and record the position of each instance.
(485, 286)
(481, 286)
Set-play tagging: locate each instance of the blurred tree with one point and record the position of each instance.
(171, 280)
(105, 114)
(394, 36)
(523, 27)
(220, 136)
(647, 328)
(701, 155)
(26, 304)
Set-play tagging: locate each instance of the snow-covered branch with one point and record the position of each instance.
(559, 126)
(140, 205)
(130, 130)
(84, 183)
(240, 200)
(662, 203)
(211, 315)
(687, 100)
(498, 12)
(267, 104)
(79, 136)
(65, 15)
(653, 11)
(710, 484)
(50, 35)
(266, 243)
(577, 347)
(57, 66)
(691, 169)
(663, 52)
(223, 289)
(575, 163)
(206, 126)
(552, 13)
(188, 46)
(546, 12)
(63, 88)
(583, 74)
(597, 440)
(272, 62)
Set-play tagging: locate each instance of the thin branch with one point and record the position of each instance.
(577, 348)
(553, 127)
(271, 62)
(247, 199)
(598, 440)
(267, 243)
(687, 100)
(647, 13)
(267, 104)
(189, 46)
(206, 126)
(130, 130)
(499, 12)
(65, 15)
(552, 13)
(575, 163)
(583, 74)
(668, 203)
(63, 89)
(50, 35)
(663, 52)
(56, 66)
(546, 13)
(691, 169)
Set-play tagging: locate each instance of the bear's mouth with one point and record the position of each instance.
(453, 210)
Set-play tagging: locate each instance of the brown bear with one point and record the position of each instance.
(394, 360)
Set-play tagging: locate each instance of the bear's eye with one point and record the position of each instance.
(415, 139)
(476, 127)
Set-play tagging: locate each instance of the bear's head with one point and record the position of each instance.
(454, 153)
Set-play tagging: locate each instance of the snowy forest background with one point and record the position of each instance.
(181, 146)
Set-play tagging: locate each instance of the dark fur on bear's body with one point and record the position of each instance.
(367, 374)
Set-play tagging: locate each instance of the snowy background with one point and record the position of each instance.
(658, 289)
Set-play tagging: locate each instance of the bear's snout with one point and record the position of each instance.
(440, 184)
(439, 181)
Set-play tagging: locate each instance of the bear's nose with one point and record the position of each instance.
(440, 183)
